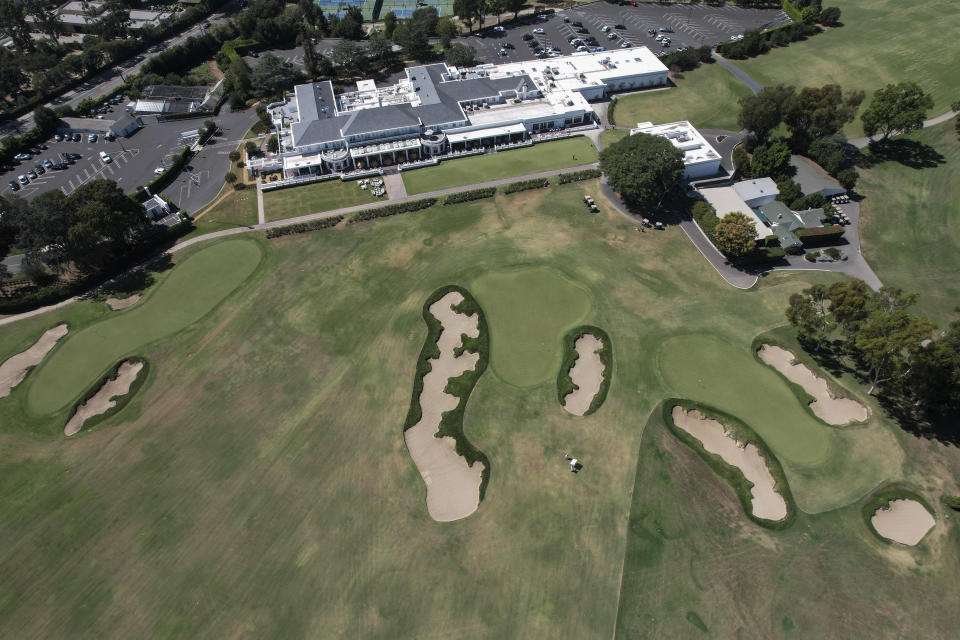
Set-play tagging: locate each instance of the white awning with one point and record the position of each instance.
(299, 161)
(486, 133)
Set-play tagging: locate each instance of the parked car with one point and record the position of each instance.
(499, 29)
(581, 48)
(47, 163)
(566, 19)
(106, 158)
(158, 170)
(605, 29)
(666, 29)
(76, 137)
(38, 169)
(528, 36)
(577, 23)
(58, 166)
(23, 179)
(35, 151)
(539, 31)
(32, 174)
(20, 157)
(14, 186)
(58, 138)
(619, 26)
(92, 137)
(74, 156)
(625, 45)
(583, 30)
(652, 31)
(507, 45)
(611, 36)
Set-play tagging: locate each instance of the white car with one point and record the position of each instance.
(499, 29)
(605, 29)
(106, 158)
(539, 31)
(158, 170)
(92, 137)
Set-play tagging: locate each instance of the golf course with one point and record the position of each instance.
(259, 483)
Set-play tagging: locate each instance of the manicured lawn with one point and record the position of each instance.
(910, 221)
(881, 42)
(189, 293)
(314, 198)
(609, 136)
(529, 311)
(545, 156)
(259, 485)
(238, 209)
(707, 97)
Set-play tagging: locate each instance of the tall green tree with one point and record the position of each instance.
(642, 169)
(762, 113)
(817, 112)
(413, 40)
(447, 30)
(389, 24)
(460, 55)
(46, 21)
(515, 6)
(771, 160)
(889, 340)
(272, 75)
(380, 54)
(735, 235)
(935, 379)
(349, 56)
(896, 108)
(14, 22)
(809, 313)
(468, 11)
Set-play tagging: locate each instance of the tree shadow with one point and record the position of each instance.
(909, 153)
(920, 422)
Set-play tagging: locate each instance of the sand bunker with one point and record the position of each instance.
(835, 411)
(119, 304)
(453, 486)
(767, 503)
(586, 373)
(903, 521)
(14, 369)
(103, 400)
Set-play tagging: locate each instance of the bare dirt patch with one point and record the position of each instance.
(119, 304)
(453, 485)
(586, 373)
(835, 411)
(766, 502)
(14, 369)
(103, 400)
(904, 521)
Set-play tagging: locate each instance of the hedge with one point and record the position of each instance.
(233, 49)
(791, 11)
(392, 210)
(164, 180)
(578, 176)
(451, 423)
(526, 185)
(760, 255)
(188, 115)
(565, 384)
(304, 227)
(882, 497)
(734, 476)
(820, 236)
(757, 43)
(468, 196)
(705, 216)
(119, 402)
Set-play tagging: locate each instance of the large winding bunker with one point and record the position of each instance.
(767, 502)
(105, 397)
(830, 409)
(453, 485)
(14, 369)
(586, 374)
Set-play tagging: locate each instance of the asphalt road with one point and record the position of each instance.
(109, 79)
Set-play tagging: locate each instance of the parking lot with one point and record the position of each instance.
(690, 25)
(134, 160)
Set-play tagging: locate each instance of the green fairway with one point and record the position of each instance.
(877, 45)
(707, 97)
(910, 221)
(258, 486)
(190, 292)
(529, 311)
(314, 198)
(569, 152)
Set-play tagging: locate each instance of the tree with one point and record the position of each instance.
(817, 112)
(467, 10)
(735, 234)
(112, 22)
(239, 74)
(349, 27)
(389, 24)
(889, 338)
(810, 15)
(273, 145)
(515, 6)
(896, 108)
(460, 55)
(447, 30)
(935, 378)
(788, 190)
(495, 7)
(350, 56)
(830, 16)
(413, 39)
(272, 75)
(771, 160)
(230, 177)
(760, 114)
(848, 303)
(47, 22)
(379, 54)
(642, 169)
(809, 314)
(104, 224)
(234, 156)
(45, 119)
(12, 77)
(15, 24)
(251, 149)
(426, 18)
(829, 152)
(848, 178)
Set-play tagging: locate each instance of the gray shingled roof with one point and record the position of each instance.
(389, 117)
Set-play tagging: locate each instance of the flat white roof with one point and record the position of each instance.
(596, 68)
(685, 137)
(485, 133)
(725, 200)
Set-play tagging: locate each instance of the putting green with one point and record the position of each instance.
(528, 311)
(193, 288)
(707, 369)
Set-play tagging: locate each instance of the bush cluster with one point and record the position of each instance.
(304, 227)
(392, 210)
(577, 176)
(706, 216)
(526, 185)
(468, 196)
(761, 255)
(756, 43)
(688, 59)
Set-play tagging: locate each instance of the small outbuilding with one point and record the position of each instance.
(125, 126)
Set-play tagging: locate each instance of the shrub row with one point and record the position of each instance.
(119, 402)
(565, 384)
(526, 185)
(451, 423)
(744, 435)
(791, 10)
(819, 236)
(392, 210)
(578, 176)
(163, 180)
(705, 215)
(756, 43)
(761, 255)
(233, 49)
(468, 196)
(304, 227)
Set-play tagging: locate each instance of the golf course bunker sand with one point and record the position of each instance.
(835, 411)
(119, 304)
(904, 521)
(103, 400)
(453, 486)
(767, 503)
(14, 369)
(586, 373)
